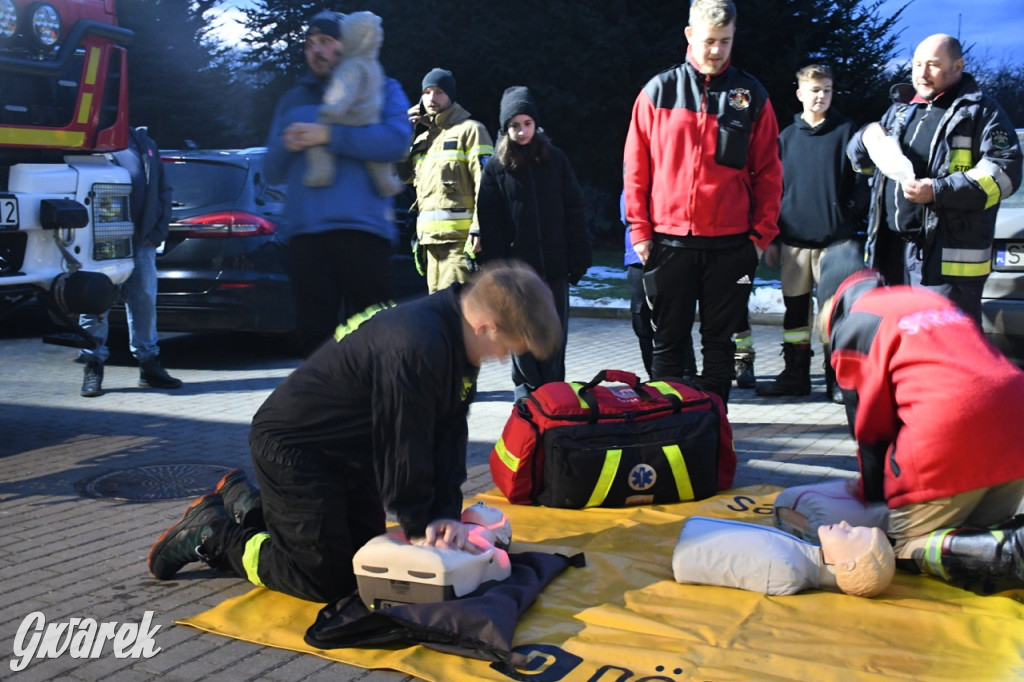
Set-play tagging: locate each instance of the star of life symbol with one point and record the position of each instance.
(642, 477)
(81, 638)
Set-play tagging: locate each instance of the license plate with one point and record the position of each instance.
(8, 213)
(1010, 256)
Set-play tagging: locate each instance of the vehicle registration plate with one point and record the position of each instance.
(1010, 256)
(8, 212)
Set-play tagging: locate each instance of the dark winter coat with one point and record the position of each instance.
(536, 216)
(151, 195)
(823, 200)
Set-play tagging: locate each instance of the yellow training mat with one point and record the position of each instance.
(623, 617)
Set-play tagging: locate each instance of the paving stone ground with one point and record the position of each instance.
(68, 555)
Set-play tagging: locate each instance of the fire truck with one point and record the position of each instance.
(65, 224)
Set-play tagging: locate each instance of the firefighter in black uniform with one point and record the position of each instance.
(374, 420)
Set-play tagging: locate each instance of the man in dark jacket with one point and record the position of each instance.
(823, 202)
(150, 205)
(375, 420)
(703, 184)
(932, 223)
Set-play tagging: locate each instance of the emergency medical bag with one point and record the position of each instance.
(575, 445)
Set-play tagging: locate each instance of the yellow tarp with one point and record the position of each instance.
(623, 617)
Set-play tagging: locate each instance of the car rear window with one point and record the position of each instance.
(196, 184)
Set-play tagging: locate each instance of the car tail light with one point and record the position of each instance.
(226, 224)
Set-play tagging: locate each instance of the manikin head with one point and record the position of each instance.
(493, 522)
(862, 558)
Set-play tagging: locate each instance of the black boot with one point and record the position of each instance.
(240, 498)
(92, 382)
(153, 375)
(795, 378)
(832, 391)
(991, 556)
(743, 369)
(182, 543)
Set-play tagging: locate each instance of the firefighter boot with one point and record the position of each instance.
(832, 391)
(743, 363)
(92, 381)
(182, 543)
(153, 375)
(239, 496)
(993, 556)
(795, 378)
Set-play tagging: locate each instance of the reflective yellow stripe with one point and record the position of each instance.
(679, 472)
(666, 389)
(802, 335)
(966, 262)
(988, 185)
(251, 557)
(444, 225)
(960, 160)
(604, 481)
(42, 138)
(481, 150)
(933, 554)
(84, 108)
(353, 323)
(506, 457)
(93, 67)
(576, 387)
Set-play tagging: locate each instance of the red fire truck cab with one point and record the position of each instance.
(65, 225)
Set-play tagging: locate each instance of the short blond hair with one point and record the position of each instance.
(521, 304)
(712, 12)
(814, 72)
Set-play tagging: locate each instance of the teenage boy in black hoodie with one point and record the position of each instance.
(823, 203)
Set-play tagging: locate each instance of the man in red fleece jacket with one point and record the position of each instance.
(932, 406)
(703, 184)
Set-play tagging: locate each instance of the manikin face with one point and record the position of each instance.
(322, 53)
(521, 128)
(816, 96)
(934, 70)
(842, 544)
(710, 46)
(435, 100)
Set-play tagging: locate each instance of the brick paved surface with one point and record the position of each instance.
(68, 555)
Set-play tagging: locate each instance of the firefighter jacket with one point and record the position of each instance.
(975, 162)
(391, 393)
(445, 165)
(702, 158)
(933, 405)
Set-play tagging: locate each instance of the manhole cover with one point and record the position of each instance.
(158, 482)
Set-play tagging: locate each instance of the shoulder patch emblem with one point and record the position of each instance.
(739, 99)
(1001, 139)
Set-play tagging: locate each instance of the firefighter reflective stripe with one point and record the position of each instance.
(985, 176)
(576, 388)
(800, 335)
(484, 151)
(933, 553)
(506, 457)
(966, 262)
(251, 558)
(679, 471)
(445, 220)
(353, 323)
(605, 479)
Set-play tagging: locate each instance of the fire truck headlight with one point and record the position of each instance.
(8, 19)
(45, 25)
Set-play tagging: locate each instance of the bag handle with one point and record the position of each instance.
(612, 375)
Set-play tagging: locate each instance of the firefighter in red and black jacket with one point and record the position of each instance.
(933, 408)
(703, 185)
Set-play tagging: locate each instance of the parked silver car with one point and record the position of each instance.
(1002, 301)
